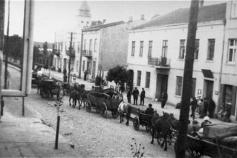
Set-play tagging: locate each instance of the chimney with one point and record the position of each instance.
(104, 20)
(142, 17)
(130, 19)
(201, 3)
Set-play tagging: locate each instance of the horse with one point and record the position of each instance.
(162, 128)
(124, 109)
(73, 95)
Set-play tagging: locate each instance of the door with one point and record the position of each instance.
(161, 84)
(208, 88)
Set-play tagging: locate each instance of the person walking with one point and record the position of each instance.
(135, 95)
(142, 96)
(164, 97)
(193, 107)
(129, 94)
(205, 108)
(211, 107)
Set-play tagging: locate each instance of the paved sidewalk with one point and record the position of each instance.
(29, 137)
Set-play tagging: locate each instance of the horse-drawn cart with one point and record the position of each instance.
(214, 148)
(48, 88)
(103, 102)
(217, 141)
(142, 119)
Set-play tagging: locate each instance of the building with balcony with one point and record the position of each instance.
(105, 46)
(156, 53)
(66, 54)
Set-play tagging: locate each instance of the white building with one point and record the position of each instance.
(62, 43)
(157, 49)
(229, 67)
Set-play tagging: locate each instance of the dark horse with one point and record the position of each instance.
(162, 128)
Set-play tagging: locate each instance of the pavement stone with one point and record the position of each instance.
(29, 137)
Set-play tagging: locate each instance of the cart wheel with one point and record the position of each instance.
(136, 124)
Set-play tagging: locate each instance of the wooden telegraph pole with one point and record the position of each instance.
(70, 54)
(2, 14)
(180, 146)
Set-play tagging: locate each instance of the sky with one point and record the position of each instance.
(55, 16)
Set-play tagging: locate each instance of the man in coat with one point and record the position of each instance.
(142, 96)
(135, 94)
(164, 98)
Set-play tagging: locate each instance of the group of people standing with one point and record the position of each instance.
(206, 107)
(135, 94)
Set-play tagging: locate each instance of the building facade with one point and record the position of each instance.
(156, 54)
(229, 67)
(105, 46)
(63, 53)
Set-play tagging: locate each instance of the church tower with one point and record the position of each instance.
(84, 15)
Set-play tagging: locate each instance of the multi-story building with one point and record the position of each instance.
(156, 53)
(105, 46)
(228, 93)
(62, 43)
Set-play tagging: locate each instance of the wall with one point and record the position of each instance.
(205, 31)
(114, 45)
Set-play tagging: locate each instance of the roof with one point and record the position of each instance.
(98, 27)
(180, 16)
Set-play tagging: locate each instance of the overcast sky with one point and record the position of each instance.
(53, 16)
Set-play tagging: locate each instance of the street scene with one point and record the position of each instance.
(118, 79)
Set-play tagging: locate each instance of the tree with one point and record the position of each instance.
(117, 74)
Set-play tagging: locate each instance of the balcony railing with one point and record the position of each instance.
(162, 61)
(87, 53)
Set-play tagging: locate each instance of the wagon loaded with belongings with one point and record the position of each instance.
(48, 88)
(217, 141)
(103, 103)
(142, 119)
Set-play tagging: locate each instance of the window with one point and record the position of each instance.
(164, 48)
(193, 87)
(150, 49)
(133, 48)
(95, 45)
(90, 45)
(196, 49)
(141, 49)
(234, 9)
(84, 44)
(211, 49)
(148, 76)
(83, 66)
(139, 73)
(182, 49)
(232, 50)
(179, 82)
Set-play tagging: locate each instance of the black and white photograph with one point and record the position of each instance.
(118, 79)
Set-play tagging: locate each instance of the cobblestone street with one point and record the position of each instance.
(90, 133)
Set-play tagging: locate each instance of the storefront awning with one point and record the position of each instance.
(207, 73)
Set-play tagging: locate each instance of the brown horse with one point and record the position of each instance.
(162, 128)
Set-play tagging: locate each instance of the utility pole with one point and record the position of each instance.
(70, 54)
(2, 15)
(6, 49)
(81, 53)
(180, 146)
